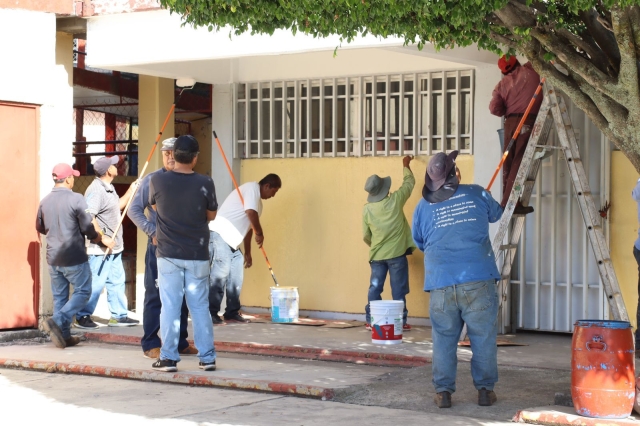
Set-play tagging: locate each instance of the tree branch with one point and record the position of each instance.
(503, 40)
(598, 58)
(628, 76)
(605, 38)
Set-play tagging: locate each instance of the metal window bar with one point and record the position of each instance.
(285, 145)
(347, 118)
(272, 132)
(387, 122)
(401, 117)
(361, 124)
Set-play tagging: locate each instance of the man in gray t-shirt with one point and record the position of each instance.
(63, 218)
(106, 265)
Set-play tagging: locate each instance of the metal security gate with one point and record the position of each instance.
(555, 279)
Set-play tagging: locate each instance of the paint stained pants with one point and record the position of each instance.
(476, 304)
(153, 305)
(227, 273)
(65, 307)
(398, 269)
(513, 160)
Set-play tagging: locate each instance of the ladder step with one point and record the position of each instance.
(551, 147)
(508, 247)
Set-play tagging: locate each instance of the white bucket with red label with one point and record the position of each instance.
(386, 321)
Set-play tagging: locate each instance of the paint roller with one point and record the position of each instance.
(185, 84)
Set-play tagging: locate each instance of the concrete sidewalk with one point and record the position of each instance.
(551, 351)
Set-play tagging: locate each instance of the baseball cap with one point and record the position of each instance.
(187, 144)
(63, 171)
(507, 65)
(102, 164)
(167, 144)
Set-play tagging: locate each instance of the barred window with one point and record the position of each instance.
(420, 113)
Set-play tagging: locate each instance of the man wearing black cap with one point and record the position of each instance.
(510, 99)
(387, 233)
(184, 202)
(152, 304)
(451, 227)
(105, 206)
(63, 218)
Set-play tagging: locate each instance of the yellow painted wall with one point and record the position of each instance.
(623, 227)
(313, 231)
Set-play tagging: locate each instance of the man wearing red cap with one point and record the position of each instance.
(63, 218)
(510, 99)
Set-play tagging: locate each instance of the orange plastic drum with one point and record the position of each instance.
(602, 369)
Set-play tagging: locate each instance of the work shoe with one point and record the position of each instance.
(153, 353)
(443, 399)
(216, 320)
(486, 397)
(55, 333)
(85, 322)
(208, 366)
(406, 327)
(236, 318)
(165, 365)
(367, 326)
(122, 322)
(72, 341)
(189, 350)
(520, 209)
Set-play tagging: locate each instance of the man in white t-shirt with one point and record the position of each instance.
(235, 223)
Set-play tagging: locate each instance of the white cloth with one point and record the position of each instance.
(231, 222)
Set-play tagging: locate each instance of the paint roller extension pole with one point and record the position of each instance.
(224, 157)
(180, 82)
(516, 133)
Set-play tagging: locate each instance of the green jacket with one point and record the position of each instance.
(384, 226)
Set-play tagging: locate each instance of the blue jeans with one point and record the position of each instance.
(111, 275)
(65, 307)
(227, 272)
(152, 305)
(476, 304)
(179, 279)
(398, 268)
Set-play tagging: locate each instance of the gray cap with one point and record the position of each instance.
(102, 164)
(439, 168)
(377, 187)
(167, 144)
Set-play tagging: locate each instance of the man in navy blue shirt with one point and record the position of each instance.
(152, 305)
(451, 227)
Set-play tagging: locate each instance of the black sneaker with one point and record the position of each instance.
(165, 365)
(122, 322)
(236, 318)
(208, 366)
(443, 399)
(86, 323)
(55, 333)
(216, 320)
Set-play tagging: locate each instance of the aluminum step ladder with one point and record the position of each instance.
(553, 111)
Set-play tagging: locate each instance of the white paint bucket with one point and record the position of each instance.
(386, 321)
(284, 304)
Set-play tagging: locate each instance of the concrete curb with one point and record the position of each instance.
(354, 357)
(10, 336)
(564, 416)
(316, 392)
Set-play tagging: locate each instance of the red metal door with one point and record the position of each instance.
(19, 246)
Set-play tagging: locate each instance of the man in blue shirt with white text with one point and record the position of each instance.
(451, 227)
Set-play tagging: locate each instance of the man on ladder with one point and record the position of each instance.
(510, 99)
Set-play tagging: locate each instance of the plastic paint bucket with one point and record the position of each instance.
(284, 304)
(602, 369)
(386, 321)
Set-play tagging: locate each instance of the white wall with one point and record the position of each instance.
(34, 77)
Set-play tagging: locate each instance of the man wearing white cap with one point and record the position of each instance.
(451, 227)
(107, 270)
(150, 341)
(387, 233)
(63, 218)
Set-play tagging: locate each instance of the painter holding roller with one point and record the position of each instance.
(387, 233)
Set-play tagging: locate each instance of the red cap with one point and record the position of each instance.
(507, 65)
(63, 171)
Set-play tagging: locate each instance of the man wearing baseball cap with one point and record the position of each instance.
(451, 227)
(386, 231)
(107, 270)
(63, 218)
(510, 99)
(152, 304)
